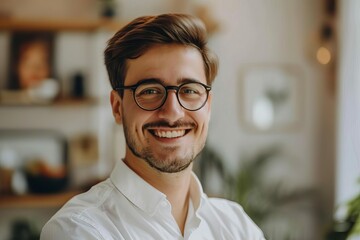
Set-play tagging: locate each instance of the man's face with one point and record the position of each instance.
(170, 137)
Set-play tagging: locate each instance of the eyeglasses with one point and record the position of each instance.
(150, 96)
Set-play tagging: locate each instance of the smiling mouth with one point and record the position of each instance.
(169, 133)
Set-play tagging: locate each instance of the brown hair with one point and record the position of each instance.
(138, 36)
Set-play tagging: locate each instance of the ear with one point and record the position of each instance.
(115, 101)
(210, 99)
(209, 102)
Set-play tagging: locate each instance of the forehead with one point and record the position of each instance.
(169, 63)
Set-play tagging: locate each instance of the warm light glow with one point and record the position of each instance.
(323, 55)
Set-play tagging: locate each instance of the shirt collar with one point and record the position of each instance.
(196, 191)
(136, 189)
(142, 194)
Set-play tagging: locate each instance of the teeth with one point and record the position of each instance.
(170, 134)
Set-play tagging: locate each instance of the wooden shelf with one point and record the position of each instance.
(74, 101)
(59, 25)
(61, 102)
(36, 200)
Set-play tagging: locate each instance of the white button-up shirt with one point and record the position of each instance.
(126, 207)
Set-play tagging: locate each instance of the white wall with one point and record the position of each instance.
(348, 155)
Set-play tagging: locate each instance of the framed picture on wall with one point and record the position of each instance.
(271, 97)
(31, 59)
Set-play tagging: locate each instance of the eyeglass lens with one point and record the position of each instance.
(151, 96)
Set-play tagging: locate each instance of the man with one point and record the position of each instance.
(161, 72)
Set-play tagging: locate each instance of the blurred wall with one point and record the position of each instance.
(276, 32)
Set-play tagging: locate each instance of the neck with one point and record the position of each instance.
(176, 187)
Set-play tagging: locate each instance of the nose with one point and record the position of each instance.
(171, 110)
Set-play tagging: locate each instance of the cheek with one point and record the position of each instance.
(202, 119)
(135, 117)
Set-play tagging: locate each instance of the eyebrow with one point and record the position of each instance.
(158, 80)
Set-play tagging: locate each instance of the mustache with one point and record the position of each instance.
(177, 124)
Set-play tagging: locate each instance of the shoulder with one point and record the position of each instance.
(234, 218)
(227, 208)
(79, 218)
(231, 211)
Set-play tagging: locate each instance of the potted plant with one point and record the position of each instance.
(349, 227)
(265, 203)
(278, 209)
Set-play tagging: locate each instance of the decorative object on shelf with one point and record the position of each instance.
(41, 158)
(78, 85)
(43, 178)
(5, 180)
(9, 162)
(270, 97)
(44, 92)
(19, 184)
(24, 229)
(84, 150)
(108, 8)
(323, 43)
(84, 159)
(30, 69)
(31, 59)
(326, 50)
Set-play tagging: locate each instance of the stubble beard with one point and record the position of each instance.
(165, 163)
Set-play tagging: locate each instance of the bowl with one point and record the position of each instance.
(45, 184)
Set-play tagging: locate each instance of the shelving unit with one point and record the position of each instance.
(36, 200)
(61, 102)
(95, 29)
(59, 25)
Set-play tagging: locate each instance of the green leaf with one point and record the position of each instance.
(356, 229)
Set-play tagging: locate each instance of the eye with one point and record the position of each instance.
(149, 91)
(188, 90)
(192, 90)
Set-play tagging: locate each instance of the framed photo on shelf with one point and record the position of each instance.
(271, 98)
(31, 59)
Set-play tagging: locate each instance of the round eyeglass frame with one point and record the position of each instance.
(167, 88)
